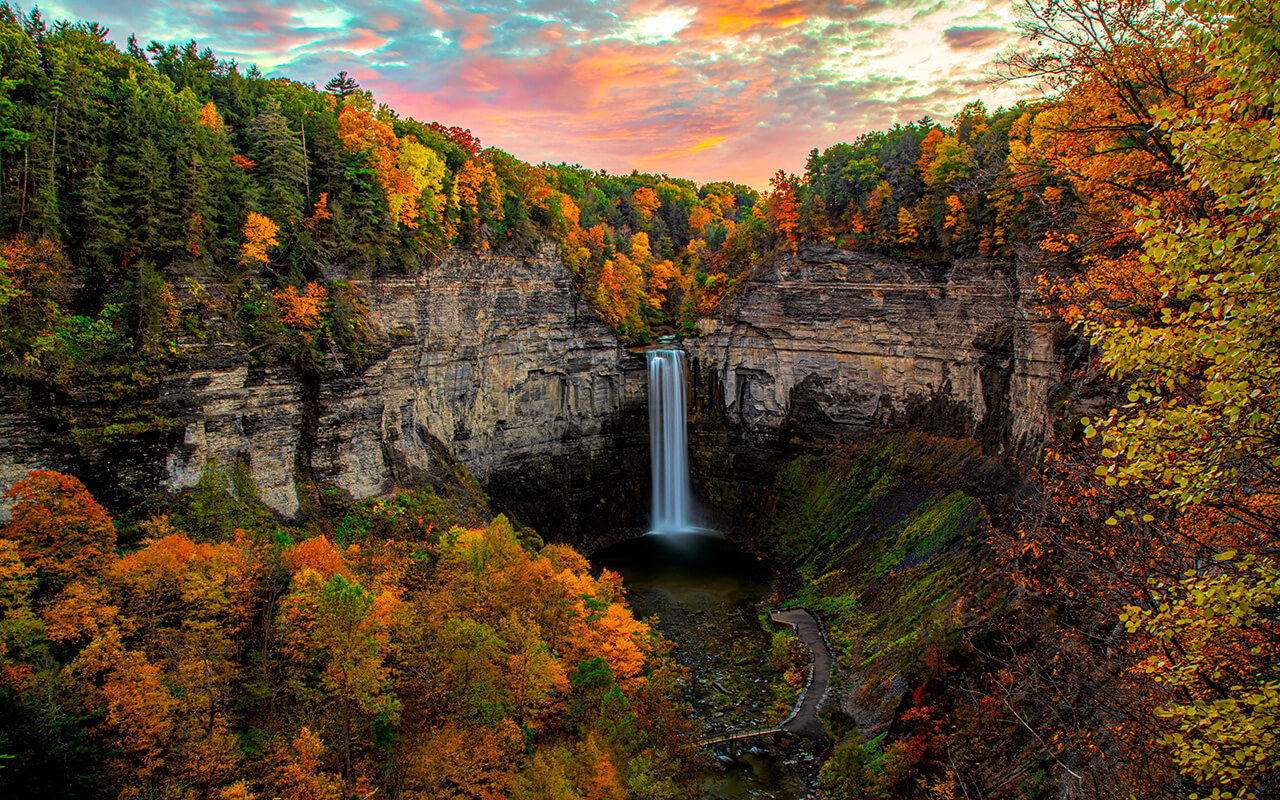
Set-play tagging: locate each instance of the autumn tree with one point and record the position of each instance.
(301, 309)
(646, 202)
(1113, 64)
(136, 710)
(348, 626)
(61, 531)
(299, 772)
(783, 207)
(1198, 431)
(21, 630)
(259, 234)
(184, 605)
(1168, 521)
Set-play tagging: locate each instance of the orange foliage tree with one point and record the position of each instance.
(646, 201)
(61, 531)
(301, 310)
(783, 210)
(259, 234)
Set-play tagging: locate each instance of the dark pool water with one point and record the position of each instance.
(707, 594)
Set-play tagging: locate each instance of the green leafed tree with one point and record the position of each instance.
(1199, 434)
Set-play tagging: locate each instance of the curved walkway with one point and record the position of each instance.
(804, 717)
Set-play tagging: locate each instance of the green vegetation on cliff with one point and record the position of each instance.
(157, 200)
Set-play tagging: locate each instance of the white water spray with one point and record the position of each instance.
(668, 445)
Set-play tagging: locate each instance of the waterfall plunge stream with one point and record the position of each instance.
(668, 444)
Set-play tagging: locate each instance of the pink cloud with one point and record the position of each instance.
(478, 32)
(436, 11)
(745, 87)
(364, 39)
(385, 22)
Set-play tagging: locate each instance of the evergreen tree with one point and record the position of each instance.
(278, 151)
(341, 86)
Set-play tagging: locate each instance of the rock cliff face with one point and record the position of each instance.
(832, 343)
(493, 360)
(497, 362)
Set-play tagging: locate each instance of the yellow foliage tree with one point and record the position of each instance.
(647, 202)
(210, 118)
(259, 234)
(908, 227)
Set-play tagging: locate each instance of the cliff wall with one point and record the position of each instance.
(497, 362)
(829, 343)
(493, 360)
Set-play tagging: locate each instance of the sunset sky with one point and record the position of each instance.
(704, 89)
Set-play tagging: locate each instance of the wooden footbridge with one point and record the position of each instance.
(804, 717)
(738, 736)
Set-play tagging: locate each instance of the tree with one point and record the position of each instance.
(341, 86)
(928, 150)
(646, 202)
(1224, 700)
(298, 775)
(138, 710)
(1198, 432)
(783, 208)
(61, 531)
(950, 165)
(281, 162)
(1170, 521)
(259, 234)
(210, 118)
(1113, 64)
(339, 620)
(301, 309)
(20, 628)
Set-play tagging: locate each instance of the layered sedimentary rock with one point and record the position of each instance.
(492, 360)
(496, 363)
(829, 342)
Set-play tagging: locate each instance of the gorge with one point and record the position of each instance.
(494, 366)
(326, 430)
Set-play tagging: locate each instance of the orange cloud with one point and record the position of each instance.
(718, 18)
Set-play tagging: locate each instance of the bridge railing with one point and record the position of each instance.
(738, 736)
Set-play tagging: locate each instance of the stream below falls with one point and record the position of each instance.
(708, 595)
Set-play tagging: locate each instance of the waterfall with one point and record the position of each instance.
(668, 445)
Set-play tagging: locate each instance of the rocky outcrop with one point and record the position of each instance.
(831, 343)
(493, 360)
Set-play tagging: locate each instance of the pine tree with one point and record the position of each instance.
(341, 86)
(100, 235)
(278, 151)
